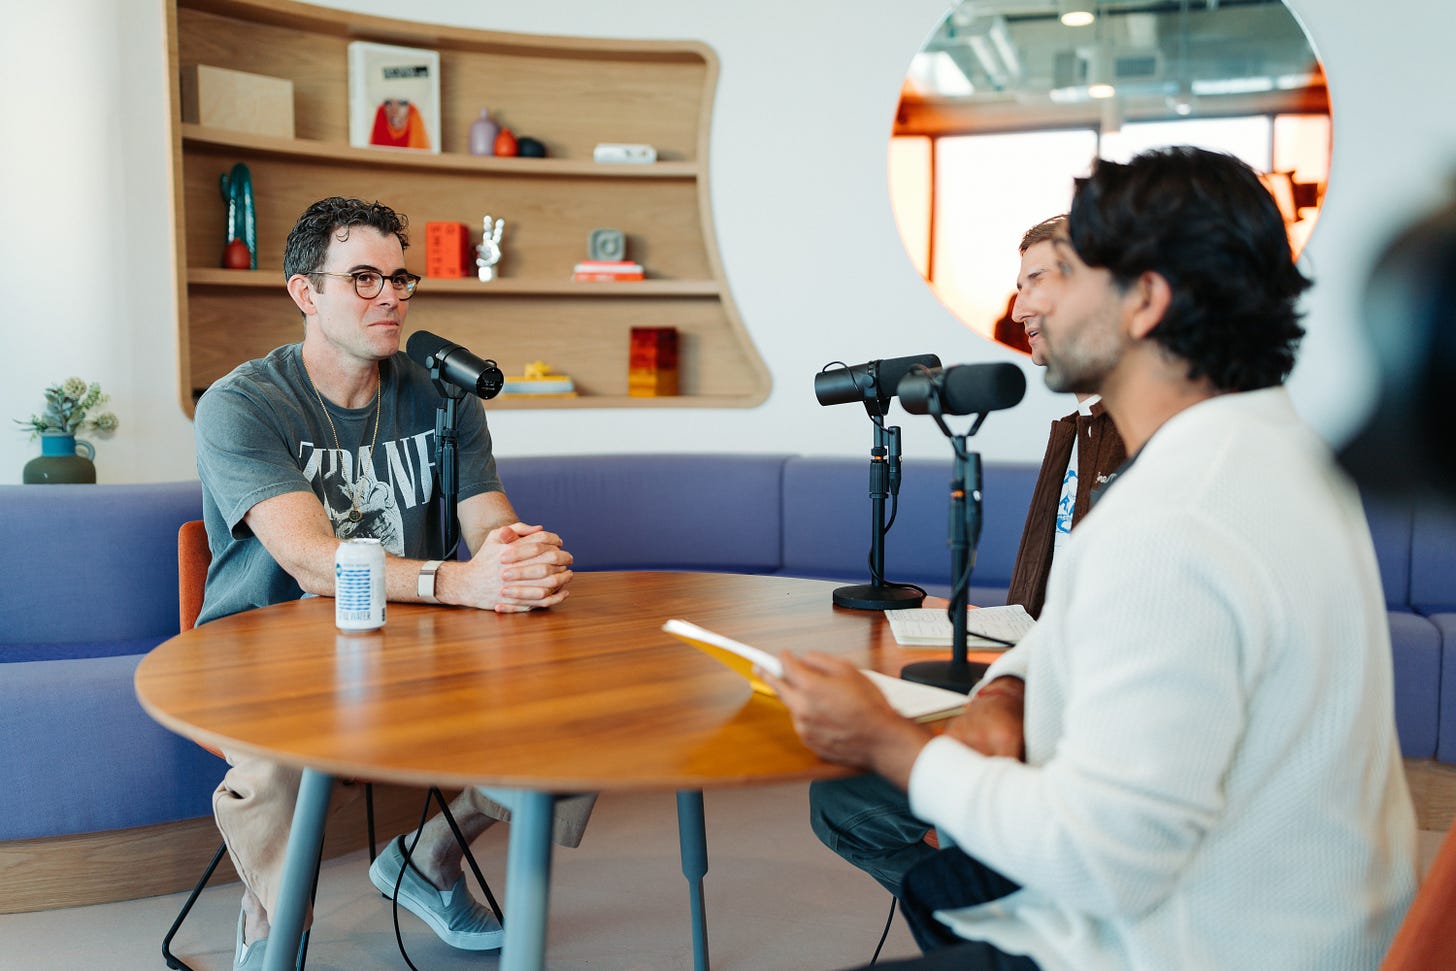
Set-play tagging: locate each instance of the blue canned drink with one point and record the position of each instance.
(359, 585)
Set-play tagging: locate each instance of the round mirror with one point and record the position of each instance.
(1010, 99)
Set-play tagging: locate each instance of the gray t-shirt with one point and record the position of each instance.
(261, 433)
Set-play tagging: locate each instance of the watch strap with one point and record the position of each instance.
(425, 586)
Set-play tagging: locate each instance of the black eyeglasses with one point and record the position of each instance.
(370, 283)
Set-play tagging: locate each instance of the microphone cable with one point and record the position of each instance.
(884, 934)
(490, 900)
(399, 880)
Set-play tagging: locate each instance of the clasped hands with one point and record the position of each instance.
(517, 568)
(842, 717)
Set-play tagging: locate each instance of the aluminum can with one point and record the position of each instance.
(359, 585)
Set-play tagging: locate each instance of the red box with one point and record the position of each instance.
(447, 250)
(652, 362)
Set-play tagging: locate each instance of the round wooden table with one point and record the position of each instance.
(588, 696)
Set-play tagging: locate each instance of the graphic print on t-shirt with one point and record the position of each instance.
(1067, 505)
(408, 482)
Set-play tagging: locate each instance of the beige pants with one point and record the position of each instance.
(253, 806)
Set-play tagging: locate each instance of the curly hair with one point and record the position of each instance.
(330, 219)
(1204, 222)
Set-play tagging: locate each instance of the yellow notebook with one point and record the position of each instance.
(738, 656)
(921, 702)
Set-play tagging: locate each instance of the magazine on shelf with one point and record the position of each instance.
(394, 96)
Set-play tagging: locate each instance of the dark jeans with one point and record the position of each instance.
(947, 880)
(867, 820)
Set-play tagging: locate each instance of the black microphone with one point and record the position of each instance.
(871, 381)
(455, 364)
(963, 389)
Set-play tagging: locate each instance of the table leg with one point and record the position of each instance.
(692, 834)
(528, 880)
(300, 866)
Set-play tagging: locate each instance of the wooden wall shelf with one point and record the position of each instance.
(572, 94)
(200, 277)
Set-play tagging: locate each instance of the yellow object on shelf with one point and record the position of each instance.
(539, 382)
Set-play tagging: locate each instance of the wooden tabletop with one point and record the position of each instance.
(588, 695)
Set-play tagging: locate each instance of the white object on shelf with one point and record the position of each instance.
(619, 152)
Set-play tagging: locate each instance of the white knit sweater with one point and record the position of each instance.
(1212, 776)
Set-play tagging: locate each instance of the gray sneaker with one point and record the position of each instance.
(248, 957)
(452, 914)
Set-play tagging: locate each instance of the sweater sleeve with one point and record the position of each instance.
(1145, 707)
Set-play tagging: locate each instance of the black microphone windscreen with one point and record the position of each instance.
(969, 389)
(893, 371)
(423, 345)
(871, 381)
(965, 389)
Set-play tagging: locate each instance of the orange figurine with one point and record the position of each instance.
(505, 143)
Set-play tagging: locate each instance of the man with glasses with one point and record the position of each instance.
(333, 438)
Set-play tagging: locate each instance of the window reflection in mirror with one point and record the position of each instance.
(1004, 105)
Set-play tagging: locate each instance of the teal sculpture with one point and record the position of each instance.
(237, 189)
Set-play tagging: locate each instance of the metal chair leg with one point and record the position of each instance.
(369, 816)
(173, 961)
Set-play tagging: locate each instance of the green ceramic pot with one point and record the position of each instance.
(62, 458)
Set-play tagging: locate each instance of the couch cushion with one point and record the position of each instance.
(1433, 561)
(80, 755)
(1390, 528)
(88, 564)
(1415, 646)
(645, 512)
(1446, 728)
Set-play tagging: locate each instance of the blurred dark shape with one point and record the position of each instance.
(1408, 445)
(1009, 332)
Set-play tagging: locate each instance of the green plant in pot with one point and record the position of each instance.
(68, 410)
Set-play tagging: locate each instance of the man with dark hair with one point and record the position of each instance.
(331, 438)
(1191, 762)
(866, 819)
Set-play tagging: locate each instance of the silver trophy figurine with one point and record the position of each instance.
(488, 253)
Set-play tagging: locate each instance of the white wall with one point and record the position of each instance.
(803, 110)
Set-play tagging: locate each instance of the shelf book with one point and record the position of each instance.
(607, 271)
(920, 702)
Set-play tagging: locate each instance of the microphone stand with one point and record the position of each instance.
(884, 482)
(958, 674)
(447, 437)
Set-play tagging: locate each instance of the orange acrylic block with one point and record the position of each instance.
(447, 250)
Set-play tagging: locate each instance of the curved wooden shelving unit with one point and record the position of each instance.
(571, 93)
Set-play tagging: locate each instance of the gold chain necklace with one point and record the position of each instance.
(354, 514)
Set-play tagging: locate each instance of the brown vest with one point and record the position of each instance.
(1100, 453)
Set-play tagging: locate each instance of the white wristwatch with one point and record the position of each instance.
(426, 586)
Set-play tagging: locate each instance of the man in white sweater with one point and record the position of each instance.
(1191, 762)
